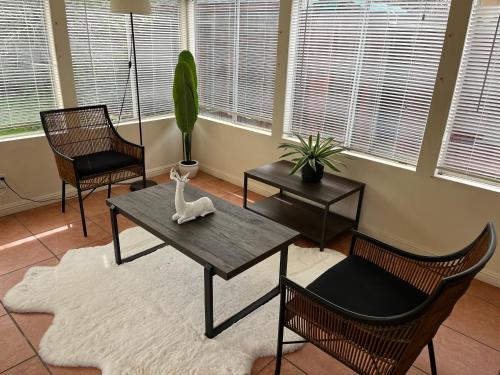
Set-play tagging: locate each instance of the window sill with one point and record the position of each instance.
(360, 155)
(238, 126)
(40, 134)
(468, 182)
(146, 120)
(14, 138)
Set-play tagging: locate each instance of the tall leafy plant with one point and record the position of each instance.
(185, 94)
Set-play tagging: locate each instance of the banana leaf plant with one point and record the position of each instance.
(314, 151)
(185, 94)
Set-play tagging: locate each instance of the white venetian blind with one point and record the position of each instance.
(363, 71)
(100, 48)
(27, 83)
(235, 47)
(471, 145)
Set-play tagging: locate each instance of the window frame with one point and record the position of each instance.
(232, 118)
(353, 96)
(54, 77)
(149, 73)
(455, 173)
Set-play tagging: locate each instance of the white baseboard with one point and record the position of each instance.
(489, 277)
(486, 275)
(23, 205)
(254, 186)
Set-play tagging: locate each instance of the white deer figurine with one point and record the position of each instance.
(187, 211)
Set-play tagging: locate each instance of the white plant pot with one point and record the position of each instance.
(192, 169)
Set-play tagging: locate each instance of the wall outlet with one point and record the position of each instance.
(3, 176)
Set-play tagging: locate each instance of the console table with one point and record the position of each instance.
(315, 222)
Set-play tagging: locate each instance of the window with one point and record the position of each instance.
(471, 145)
(27, 83)
(235, 48)
(363, 71)
(100, 49)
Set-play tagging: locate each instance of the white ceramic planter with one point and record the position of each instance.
(192, 169)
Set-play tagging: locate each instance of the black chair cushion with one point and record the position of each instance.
(362, 287)
(102, 162)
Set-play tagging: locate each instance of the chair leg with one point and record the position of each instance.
(432, 358)
(281, 328)
(63, 201)
(82, 213)
(279, 352)
(109, 190)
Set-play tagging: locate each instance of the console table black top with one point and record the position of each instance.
(329, 190)
(231, 240)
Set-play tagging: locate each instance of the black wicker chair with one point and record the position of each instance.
(89, 153)
(377, 309)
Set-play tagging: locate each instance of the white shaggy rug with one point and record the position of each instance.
(147, 316)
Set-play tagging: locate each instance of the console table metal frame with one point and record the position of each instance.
(283, 187)
(211, 330)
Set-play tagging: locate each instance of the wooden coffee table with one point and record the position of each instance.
(225, 243)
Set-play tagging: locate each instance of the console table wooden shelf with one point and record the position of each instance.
(317, 223)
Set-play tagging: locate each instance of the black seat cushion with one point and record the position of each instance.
(362, 287)
(101, 162)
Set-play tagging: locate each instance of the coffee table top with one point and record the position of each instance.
(330, 189)
(231, 240)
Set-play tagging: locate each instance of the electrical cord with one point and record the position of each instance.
(126, 84)
(39, 200)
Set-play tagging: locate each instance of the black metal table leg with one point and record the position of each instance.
(116, 241)
(323, 230)
(209, 302)
(245, 190)
(82, 213)
(116, 238)
(358, 210)
(63, 201)
(210, 330)
(283, 262)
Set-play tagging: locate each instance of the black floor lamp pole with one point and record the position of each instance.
(136, 78)
(138, 185)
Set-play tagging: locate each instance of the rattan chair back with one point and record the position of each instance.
(79, 131)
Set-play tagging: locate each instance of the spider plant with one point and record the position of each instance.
(313, 152)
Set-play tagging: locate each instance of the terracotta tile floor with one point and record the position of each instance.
(467, 343)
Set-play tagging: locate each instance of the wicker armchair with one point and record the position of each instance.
(89, 153)
(377, 309)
